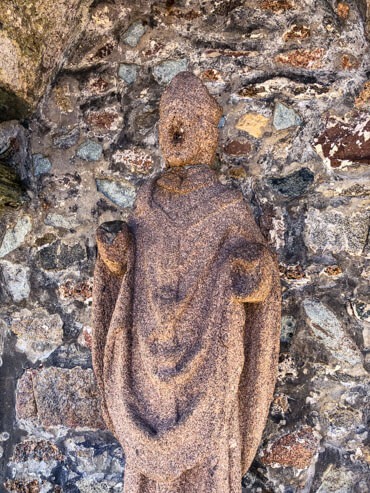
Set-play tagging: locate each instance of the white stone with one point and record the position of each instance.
(16, 280)
(59, 221)
(15, 237)
(330, 332)
(336, 230)
(38, 332)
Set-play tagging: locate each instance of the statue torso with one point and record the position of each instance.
(182, 304)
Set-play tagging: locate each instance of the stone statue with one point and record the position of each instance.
(186, 316)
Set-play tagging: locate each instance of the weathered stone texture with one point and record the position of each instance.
(170, 348)
(59, 397)
(293, 450)
(308, 183)
(38, 333)
(34, 36)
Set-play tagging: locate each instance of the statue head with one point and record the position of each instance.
(188, 119)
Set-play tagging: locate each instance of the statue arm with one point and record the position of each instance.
(113, 241)
(255, 282)
(252, 267)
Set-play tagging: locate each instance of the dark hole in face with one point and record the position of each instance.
(178, 135)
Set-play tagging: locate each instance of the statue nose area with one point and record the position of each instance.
(177, 135)
(176, 138)
(176, 131)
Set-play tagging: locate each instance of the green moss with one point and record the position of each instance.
(10, 188)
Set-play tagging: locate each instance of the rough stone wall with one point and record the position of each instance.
(34, 35)
(292, 78)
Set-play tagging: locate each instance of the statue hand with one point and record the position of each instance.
(251, 272)
(113, 240)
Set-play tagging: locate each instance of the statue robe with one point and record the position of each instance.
(185, 354)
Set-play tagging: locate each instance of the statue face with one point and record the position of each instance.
(188, 122)
(187, 138)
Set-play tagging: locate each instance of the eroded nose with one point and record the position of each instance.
(177, 135)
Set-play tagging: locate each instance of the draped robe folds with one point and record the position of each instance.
(185, 362)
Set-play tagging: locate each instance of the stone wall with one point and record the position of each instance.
(292, 78)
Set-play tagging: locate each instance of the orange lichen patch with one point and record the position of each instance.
(364, 97)
(333, 270)
(295, 449)
(343, 10)
(276, 5)
(297, 32)
(210, 75)
(293, 272)
(311, 59)
(80, 291)
(349, 62)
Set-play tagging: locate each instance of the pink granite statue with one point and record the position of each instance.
(186, 316)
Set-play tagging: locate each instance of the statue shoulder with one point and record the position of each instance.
(144, 197)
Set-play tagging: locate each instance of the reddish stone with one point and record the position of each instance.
(98, 85)
(210, 75)
(59, 397)
(25, 403)
(107, 120)
(346, 142)
(236, 148)
(349, 62)
(277, 5)
(343, 10)
(295, 449)
(80, 291)
(363, 98)
(17, 486)
(85, 338)
(310, 59)
(333, 270)
(38, 450)
(293, 272)
(297, 32)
